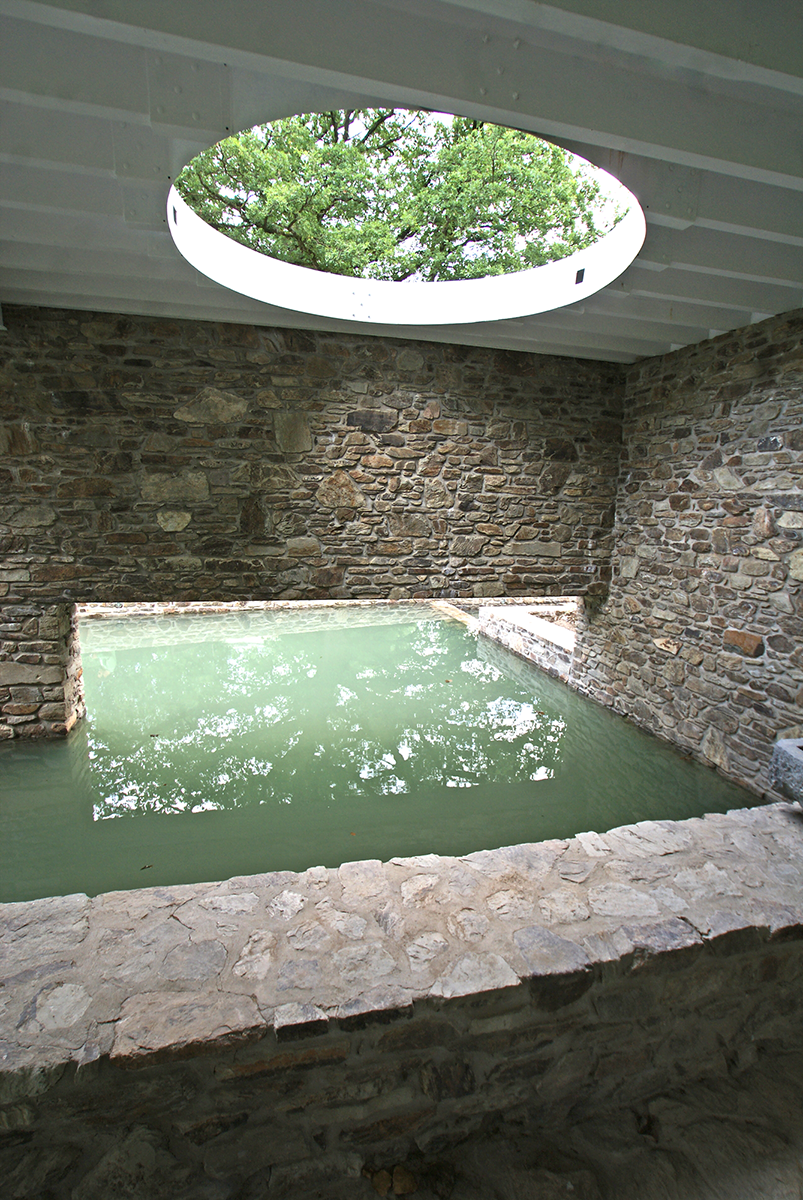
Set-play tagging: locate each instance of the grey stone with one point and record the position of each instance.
(167, 1021)
(256, 955)
(350, 925)
(619, 900)
(362, 880)
(360, 964)
(409, 359)
(468, 924)
(786, 768)
(534, 549)
(287, 905)
(292, 432)
(185, 485)
(12, 673)
(436, 494)
(233, 903)
(475, 973)
(714, 748)
(195, 960)
(31, 516)
(510, 904)
(468, 546)
(212, 406)
(706, 882)
(172, 520)
(661, 937)
(373, 420)
(563, 907)
(299, 975)
(424, 948)
(289, 1017)
(416, 891)
(309, 936)
(547, 954)
(62, 1006)
(303, 546)
(728, 480)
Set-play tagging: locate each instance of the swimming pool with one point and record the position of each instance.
(265, 741)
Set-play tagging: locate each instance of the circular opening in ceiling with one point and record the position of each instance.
(402, 217)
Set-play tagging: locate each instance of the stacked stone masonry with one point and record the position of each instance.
(41, 693)
(155, 460)
(239, 1039)
(701, 639)
(144, 459)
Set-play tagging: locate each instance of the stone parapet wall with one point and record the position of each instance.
(286, 1027)
(701, 640)
(41, 693)
(145, 459)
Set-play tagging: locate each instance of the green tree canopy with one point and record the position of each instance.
(396, 194)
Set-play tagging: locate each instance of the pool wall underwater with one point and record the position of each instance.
(146, 459)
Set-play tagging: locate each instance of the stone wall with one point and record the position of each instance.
(145, 459)
(41, 691)
(256, 1036)
(701, 640)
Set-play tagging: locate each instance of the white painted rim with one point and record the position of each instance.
(458, 302)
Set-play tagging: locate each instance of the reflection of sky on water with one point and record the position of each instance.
(380, 711)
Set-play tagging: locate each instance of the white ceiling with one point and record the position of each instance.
(696, 105)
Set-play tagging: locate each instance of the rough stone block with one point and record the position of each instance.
(786, 768)
(740, 640)
(12, 673)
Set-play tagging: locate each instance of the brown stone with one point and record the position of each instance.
(748, 644)
(560, 450)
(404, 1182)
(388, 1128)
(381, 1182)
(340, 491)
(450, 426)
(16, 440)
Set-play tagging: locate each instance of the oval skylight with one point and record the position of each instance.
(429, 219)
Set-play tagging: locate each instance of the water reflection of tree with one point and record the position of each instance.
(377, 712)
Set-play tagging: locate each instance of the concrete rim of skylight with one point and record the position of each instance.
(382, 302)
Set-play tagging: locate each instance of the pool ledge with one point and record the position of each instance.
(533, 633)
(157, 974)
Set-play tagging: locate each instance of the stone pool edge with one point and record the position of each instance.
(168, 973)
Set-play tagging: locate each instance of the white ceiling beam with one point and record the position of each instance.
(724, 254)
(676, 283)
(736, 39)
(365, 45)
(62, 68)
(39, 135)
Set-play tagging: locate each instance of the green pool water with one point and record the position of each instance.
(223, 746)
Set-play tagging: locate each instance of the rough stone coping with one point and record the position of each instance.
(786, 768)
(530, 622)
(163, 973)
(157, 608)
